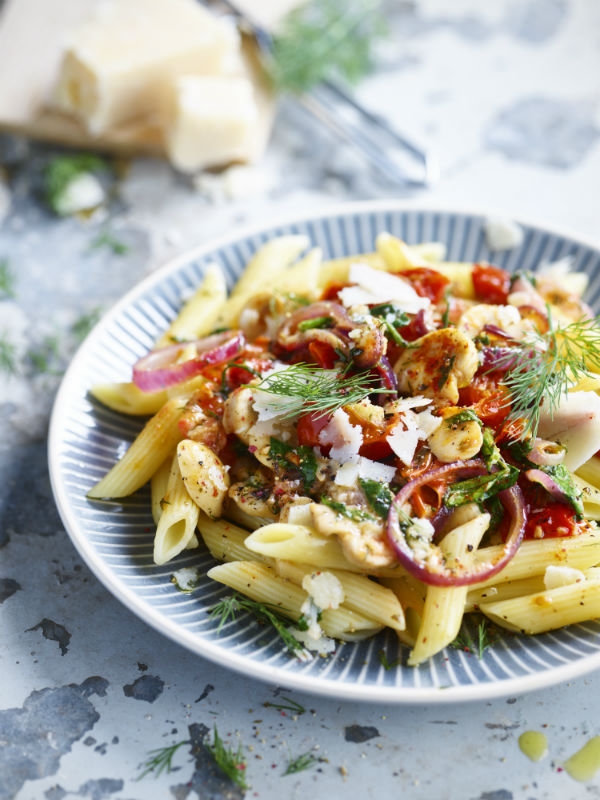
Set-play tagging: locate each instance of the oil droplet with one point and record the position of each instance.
(533, 744)
(583, 765)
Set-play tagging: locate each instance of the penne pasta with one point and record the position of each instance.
(444, 606)
(145, 455)
(198, 317)
(547, 610)
(331, 398)
(177, 523)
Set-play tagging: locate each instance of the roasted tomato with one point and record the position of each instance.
(491, 284)
(427, 282)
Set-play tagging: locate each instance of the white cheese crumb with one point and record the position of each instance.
(377, 286)
(186, 579)
(82, 193)
(325, 589)
(420, 533)
(502, 234)
(557, 576)
(375, 471)
(345, 439)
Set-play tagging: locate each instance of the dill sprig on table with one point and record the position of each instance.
(230, 761)
(7, 280)
(541, 371)
(324, 39)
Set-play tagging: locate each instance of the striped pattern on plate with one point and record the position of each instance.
(115, 539)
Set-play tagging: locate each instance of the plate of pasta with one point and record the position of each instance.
(356, 454)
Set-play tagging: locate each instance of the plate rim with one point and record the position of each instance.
(209, 650)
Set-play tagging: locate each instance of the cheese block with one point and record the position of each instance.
(209, 120)
(116, 59)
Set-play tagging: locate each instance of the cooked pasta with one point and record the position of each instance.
(385, 440)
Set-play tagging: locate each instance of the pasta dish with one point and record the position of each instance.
(385, 440)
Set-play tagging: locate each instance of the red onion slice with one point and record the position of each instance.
(430, 568)
(549, 484)
(160, 368)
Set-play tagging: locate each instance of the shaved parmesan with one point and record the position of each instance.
(375, 286)
(344, 438)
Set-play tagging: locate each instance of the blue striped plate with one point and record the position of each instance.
(116, 539)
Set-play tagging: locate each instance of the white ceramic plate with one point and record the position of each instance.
(116, 540)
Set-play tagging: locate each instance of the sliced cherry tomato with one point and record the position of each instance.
(555, 519)
(309, 426)
(488, 399)
(322, 354)
(491, 284)
(426, 282)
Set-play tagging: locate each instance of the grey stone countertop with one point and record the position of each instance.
(507, 94)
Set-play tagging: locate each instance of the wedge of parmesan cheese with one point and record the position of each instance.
(116, 60)
(209, 120)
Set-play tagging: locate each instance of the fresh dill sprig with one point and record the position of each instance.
(540, 371)
(301, 763)
(288, 705)
(7, 280)
(386, 663)
(8, 355)
(84, 324)
(323, 39)
(305, 388)
(231, 762)
(160, 760)
(484, 640)
(45, 356)
(228, 608)
(108, 240)
(62, 170)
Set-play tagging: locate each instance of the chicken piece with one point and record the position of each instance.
(364, 543)
(204, 476)
(437, 365)
(457, 438)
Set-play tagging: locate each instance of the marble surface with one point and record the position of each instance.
(506, 94)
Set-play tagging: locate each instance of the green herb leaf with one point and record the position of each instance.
(564, 479)
(288, 705)
(62, 170)
(541, 370)
(315, 322)
(323, 39)
(299, 460)
(8, 355)
(386, 663)
(311, 389)
(350, 512)
(485, 639)
(160, 760)
(300, 763)
(393, 318)
(379, 496)
(483, 487)
(228, 608)
(231, 762)
(109, 241)
(7, 280)
(84, 324)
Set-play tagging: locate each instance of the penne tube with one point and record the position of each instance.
(444, 606)
(503, 591)
(260, 582)
(534, 555)
(177, 524)
(270, 260)
(302, 278)
(590, 471)
(199, 314)
(547, 610)
(158, 487)
(360, 593)
(225, 541)
(126, 398)
(145, 455)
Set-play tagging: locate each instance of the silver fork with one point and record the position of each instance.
(390, 153)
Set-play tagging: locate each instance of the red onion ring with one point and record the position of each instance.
(433, 571)
(160, 369)
(545, 453)
(549, 484)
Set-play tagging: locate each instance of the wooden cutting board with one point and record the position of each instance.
(33, 36)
